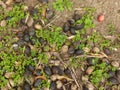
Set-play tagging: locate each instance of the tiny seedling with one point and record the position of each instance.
(61, 5)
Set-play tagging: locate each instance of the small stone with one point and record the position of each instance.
(11, 82)
(73, 87)
(115, 64)
(86, 49)
(8, 2)
(15, 47)
(90, 86)
(37, 26)
(89, 70)
(8, 74)
(3, 23)
(54, 77)
(29, 20)
(59, 84)
(64, 49)
(96, 50)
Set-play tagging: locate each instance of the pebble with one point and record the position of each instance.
(3, 23)
(90, 86)
(37, 26)
(8, 74)
(96, 50)
(115, 64)
(54, 77)
(59, 84)
(15, 47)
(8, 2)
(86, 49)
(89, 70)
(64, 49)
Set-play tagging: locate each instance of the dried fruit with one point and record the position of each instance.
(79, 52)
(101, 18)
(47, 70)
(37, 82)
(56, 70)
(71, 50)
(27, 50)
(66, 27)
(26, 86)
(113, 80)
(53, 85)
(72, 31)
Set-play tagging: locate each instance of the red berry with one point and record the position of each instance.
(101, 18)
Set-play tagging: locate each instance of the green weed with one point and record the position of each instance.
(61, 5)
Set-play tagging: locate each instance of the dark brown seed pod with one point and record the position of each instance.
(118, 74)
(76, 17)
(71, 50)
(72, 31)
(47, 70)
(113, 80)
(37, 82)
(27, 50)
(66, 27)
(107, 51)
(111, 73)
(79, 52)
(56, 70)
(79, 26)
(26, 86)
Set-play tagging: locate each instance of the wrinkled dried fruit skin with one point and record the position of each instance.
(56, 70)
(79, 52)
(47, 70)
(53, 85)
(27, 50)
(26, 86)
(72, 31)
(71, 50)
(113, 80)
(111, 73)
(66, 27)
(37, 82)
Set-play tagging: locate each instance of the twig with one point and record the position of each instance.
(52, 21)
(74, 77)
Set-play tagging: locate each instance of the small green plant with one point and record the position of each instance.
(60, 5)
(15, 15)
(54, 37)
(13, 63)
(111, 29)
